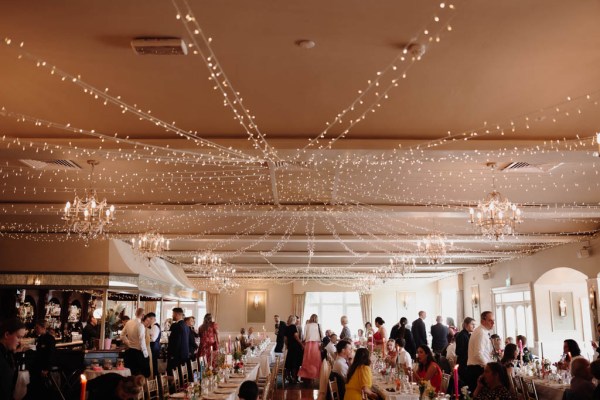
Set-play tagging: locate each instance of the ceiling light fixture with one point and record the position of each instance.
(434, 248)
(306, 44)
(150, 244)
(88, 217)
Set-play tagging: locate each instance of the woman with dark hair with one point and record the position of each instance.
(360, 377)
(571, 351)
(526, 356)
(405, 333)
(427, 368)
(115, 387)
(380, 337)
(510, 356)
(295, 348)
(209, 338)
(493, 384)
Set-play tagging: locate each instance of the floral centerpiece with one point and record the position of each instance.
(465, 392)
(424, 385)
(238, 366)
(237, 355)
(431, 392)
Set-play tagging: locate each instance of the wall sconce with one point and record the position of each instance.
(474, 299)
(593, 304)
(256, 302)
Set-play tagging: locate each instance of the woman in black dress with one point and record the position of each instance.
(295, 353)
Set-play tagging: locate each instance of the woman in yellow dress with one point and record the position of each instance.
(359, 377)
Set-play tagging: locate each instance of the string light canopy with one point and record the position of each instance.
(87, 216)
(150, 244)
(495, 216)
(434, 248)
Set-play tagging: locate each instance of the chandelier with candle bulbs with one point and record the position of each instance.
(221, 278)
(434, 248)
(88, 216)
(150, 244)
(205, 262)
(406, 265)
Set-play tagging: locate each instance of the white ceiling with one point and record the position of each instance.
(507, 82)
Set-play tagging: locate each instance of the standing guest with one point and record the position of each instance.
(343, 350)
(400, 331)
(293, 359)
(248, 391)
(244, 343)
(380, 337)
(451, 325)
(279, 333)
(91, 332)
(582, 387)
(299, 328)
(11, 332)
(428, 369)
(450, 351)
(311, 361)
(595, 370)
(209, 338)
(345, 334)
(360, 377)
(251, 336)
(480, 349)
(115, 387)
(595, 344)
(493, 384)
(403, 357)
(133, 336)
(439, 335)
(509, 357)
(155, 335)
(148, 321)
(42, 361)
(462, 346)
(191, 322)
(178, 348)
(418, 330)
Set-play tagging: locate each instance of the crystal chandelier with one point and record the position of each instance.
(150, 244)
(434, 248)
(206, 261)
(221, 278)
(364, 284)
(88, 216)
(496, 216)
(405, 265)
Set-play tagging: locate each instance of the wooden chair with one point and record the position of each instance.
(176, 381)
(151, 389)
(194, 367)
(333, 390)
(445, 382)
(518, 385)
(164, 385)
(267, 391)
(530, 391)
(185, 378)
(281, 369)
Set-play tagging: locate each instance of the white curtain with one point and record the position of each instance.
(212, 305)
(298, 306)
(365, 307)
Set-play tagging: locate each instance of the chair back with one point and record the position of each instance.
(185, 379)
(334, 393)
(194, 367)
(282, 369)
(445, 383)
(164, 385)
(530, 390)
(151, 389)
(518, 384)
(176, 381)
(267, 390)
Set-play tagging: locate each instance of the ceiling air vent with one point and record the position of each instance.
(157, 46)
(526, 168)
(51, 164)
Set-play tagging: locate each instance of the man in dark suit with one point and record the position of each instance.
(462, 347)
(43, 358)
(178, 349)
(439, 335)
(280, 333)
(418, 330)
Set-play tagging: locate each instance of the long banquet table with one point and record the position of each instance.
(264, 359)
(383, 390)
(548, 390)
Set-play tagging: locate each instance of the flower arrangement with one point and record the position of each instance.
(238, 366)
(431, 392)
(465, 392)
(207, 373)
(423, 386)
(237, 355)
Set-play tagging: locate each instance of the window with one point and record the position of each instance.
(514, 314)
(330, 306)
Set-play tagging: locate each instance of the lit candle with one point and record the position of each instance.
(229, 345)
(456, 381)
(83, 385)
(542, 348)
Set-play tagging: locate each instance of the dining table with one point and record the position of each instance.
(547, 389)
(387, 390)
(264, 359)
(94, 373)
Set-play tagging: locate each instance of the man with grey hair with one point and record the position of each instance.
(439, 335)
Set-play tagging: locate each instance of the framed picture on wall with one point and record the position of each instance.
(563, 311)
(256, 306)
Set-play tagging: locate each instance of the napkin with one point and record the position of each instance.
(179, 395)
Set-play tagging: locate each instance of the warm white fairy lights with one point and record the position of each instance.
(150, 244)
(434, 248)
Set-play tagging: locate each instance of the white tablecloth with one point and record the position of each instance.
(547, 390)
(91, 374)
(21, 387)
(380, 388)
(264, 359)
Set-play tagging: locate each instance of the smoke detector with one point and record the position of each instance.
(159, 46)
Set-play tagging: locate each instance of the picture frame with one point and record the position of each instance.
(256, 306)
(562, 311)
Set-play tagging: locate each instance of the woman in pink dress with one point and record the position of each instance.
(380, 337)
(311, 361)
(209, 340)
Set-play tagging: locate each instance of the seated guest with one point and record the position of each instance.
(330, 347)
(509, 357)
(360, 377)
(115, 387)
(248, 390)
(362, 339)
(526, 356)
(391, 352)
(595, 370)
(493, 384)
(582, 387)
(244, 343)
(497, 343)
(91, 332)
(251, 336)
(428, 369)
(509, 340)
(343, 351)
(403, 358)
(450, 351)
(571, 351)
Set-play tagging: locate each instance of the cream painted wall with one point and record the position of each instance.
(528, 270)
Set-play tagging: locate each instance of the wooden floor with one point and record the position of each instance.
(296, 393)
